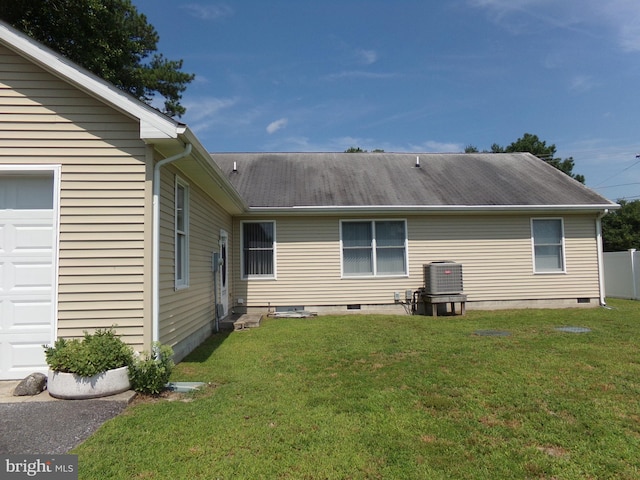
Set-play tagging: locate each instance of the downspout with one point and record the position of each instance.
(603, 303)
(155, 314)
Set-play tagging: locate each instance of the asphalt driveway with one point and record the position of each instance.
(44, 425)
(52, 427)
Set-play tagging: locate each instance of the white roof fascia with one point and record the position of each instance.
(435, 209)
(204, 158)
(153, 124)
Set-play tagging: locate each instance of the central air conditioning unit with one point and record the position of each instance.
(442, 278)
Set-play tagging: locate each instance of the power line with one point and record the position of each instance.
(619, 185)
(616, 174)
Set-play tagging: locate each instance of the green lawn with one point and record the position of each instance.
(395, 397)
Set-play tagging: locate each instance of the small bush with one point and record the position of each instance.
(95, 353)
(150, 372)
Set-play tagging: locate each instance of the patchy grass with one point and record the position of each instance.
(395, 397)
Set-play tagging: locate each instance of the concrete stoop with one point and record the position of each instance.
(242, 321)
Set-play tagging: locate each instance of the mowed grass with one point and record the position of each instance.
(394, 397)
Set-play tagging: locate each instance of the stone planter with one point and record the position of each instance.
(70, 386)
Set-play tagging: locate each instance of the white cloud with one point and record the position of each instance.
(582, 84)
(208, 12)
(299, 143)
(528, 16)
(499, 9)
(624, 17)
(621, 18)
(429, 146)
(201, 108)
(273, 127)
(340, 144)
(360, 74)
(367, 57)
(501, 6)
(204, 113)
(432, 146)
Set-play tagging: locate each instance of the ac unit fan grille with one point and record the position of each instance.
(443, 278)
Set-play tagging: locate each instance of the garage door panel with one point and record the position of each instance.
(24, 355)
(32, 314)
(31, 277)
(27, 272)
(32, 239)
(25, 217)
(26, 278)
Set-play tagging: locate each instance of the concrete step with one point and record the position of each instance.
(242, 321)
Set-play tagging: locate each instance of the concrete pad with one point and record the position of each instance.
(8, 386)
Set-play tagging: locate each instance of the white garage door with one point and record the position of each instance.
(27, 273)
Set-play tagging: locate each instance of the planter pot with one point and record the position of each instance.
(70, 386)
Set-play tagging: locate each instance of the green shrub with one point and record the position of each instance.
(150, 372)
(95, 353)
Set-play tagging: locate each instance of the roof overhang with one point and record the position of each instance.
(200, 169)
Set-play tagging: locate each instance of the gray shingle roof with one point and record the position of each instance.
(281, 180)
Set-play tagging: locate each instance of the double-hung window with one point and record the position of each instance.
(374, 248)
(181, 233)
(548, 245)
(258, 249)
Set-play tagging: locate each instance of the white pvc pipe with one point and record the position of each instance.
(155, 275)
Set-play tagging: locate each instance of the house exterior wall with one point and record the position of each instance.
(187, 314)
(104, 195)
(495, 251)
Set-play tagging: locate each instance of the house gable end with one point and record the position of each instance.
(153, 124)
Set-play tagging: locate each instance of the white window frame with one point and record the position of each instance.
(561, 245)
(272, 276)
(375, 273)
(181, 257)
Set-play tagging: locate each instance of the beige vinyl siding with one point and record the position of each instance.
(188, 310)
(497, 256)
(309, 269)
(496, 253)
(103, 194)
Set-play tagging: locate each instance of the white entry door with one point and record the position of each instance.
(224, 272)
(27, 273)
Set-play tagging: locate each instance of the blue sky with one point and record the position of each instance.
(413, 76)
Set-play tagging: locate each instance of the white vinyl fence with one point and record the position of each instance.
(622, 274)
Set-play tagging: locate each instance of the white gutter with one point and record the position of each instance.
(603, 302)
(322, 209)
(155, 309)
